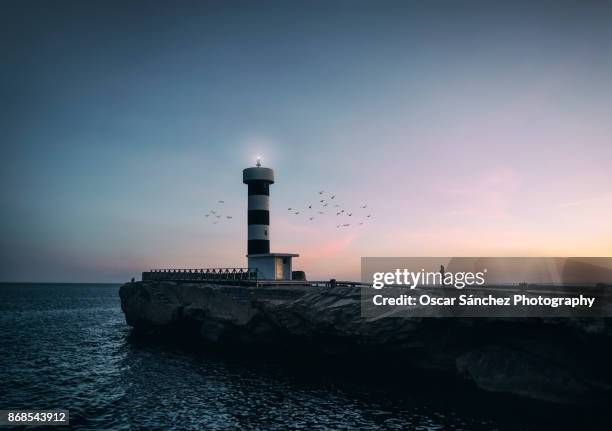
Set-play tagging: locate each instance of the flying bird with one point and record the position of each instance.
(348, 224)
(341, 211)
(325, 204)
(221, 202)
(309, 207)
(321, 192)
(322, 200)
(365, 206)
(333, 196)
(310, 218)
(369, 215)
(288, 209)
(297, 212)
(350, 214)
(228, 216)
(337, 213)
(206, 215)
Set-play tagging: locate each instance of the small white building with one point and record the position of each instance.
(272, 266)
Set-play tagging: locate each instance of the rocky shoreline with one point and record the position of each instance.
(559, 360)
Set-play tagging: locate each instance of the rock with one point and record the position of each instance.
(502, 369)
(561, 360)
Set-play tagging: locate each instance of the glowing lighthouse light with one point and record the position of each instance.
(270, 266)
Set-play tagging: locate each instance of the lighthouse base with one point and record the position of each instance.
(272, 266)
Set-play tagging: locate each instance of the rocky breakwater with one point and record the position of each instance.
(561, 360)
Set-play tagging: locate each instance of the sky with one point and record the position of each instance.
(468, 128)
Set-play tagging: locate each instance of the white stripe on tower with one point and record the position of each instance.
(259, 231)
(259, 202)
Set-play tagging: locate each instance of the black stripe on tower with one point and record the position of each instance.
(259, 217)
(259, 246)
(259, 188)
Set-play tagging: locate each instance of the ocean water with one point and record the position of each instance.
(67, 346)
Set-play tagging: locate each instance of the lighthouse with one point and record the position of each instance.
(270, 266)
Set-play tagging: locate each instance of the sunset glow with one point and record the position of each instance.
(460, 144)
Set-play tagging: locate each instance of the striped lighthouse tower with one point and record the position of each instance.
(258, 179)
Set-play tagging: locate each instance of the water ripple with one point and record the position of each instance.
(67, 346)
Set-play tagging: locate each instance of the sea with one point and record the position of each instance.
(67, 346)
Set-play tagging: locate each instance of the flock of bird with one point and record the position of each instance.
(215, 216)
(329, 205)
(326, 205)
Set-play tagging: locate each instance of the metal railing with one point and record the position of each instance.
(204, 274)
